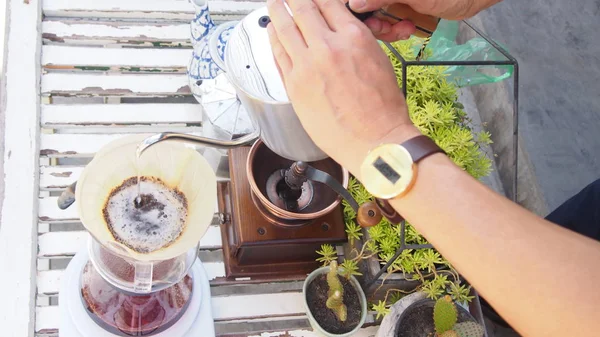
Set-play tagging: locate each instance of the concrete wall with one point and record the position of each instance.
(557, 44)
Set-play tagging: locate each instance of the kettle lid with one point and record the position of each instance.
(249, 59)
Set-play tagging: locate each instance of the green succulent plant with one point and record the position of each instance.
(434, 108)
(327, 254)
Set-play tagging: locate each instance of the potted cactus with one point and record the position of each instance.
(334, 301)
(417, 316)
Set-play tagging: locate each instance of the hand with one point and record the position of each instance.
(445, 9)
(385, 31)
(340, 82)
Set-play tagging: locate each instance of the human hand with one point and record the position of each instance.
(386, 31)
(340, 82)
(445, 9)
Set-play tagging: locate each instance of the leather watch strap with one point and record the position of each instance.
(388, 211)
(419, 147)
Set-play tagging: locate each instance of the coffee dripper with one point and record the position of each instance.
(177, 167)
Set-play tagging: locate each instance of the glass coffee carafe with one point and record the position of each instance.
(144, 239)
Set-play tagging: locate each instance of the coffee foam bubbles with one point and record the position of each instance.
(156, 223)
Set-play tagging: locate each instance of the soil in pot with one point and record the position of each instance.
(417, 321)
(316, 297)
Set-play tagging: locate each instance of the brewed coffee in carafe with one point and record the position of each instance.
(125, 312)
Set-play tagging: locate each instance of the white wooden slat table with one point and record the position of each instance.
(63, 57)
(129, 85)
(174, 10)
(115, 33)
(62, 73)
(68, 116)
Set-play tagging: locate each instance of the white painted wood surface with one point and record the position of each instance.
(49, 280)
(57, 178)
(77, 145)
(56, 116)
(91, 84)
(165, 59)
(20, 97)
(74, 145)
(116, 34)
(225, 308)
(54, 244)
(145, 9)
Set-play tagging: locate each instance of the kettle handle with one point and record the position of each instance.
(67, 198)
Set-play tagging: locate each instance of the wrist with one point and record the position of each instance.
(397, 135)
(357, 152)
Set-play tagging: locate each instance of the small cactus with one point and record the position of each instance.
(335, 300)
(444, 315)
(468, 329)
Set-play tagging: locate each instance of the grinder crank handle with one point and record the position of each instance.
(425, 24)
(367, 214)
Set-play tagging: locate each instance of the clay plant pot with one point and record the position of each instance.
(321, 318)
(412, 316)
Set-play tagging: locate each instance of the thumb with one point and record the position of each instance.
(361, 6)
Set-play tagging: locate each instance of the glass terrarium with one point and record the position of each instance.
(461, 89)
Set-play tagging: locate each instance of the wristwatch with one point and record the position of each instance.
(390, 170)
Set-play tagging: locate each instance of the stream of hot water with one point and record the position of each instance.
(137, 202)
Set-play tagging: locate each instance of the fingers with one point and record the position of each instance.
(385, 31)
(335, 13)
(378, 27)
(309, 19)
(282, 59)
(369, 5)
(287, 32)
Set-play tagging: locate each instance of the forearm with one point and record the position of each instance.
(540, 277)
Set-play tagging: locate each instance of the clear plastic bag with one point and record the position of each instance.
(443, 46)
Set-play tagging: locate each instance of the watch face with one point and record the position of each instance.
(387, 171)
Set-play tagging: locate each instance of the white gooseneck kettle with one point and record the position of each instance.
(240, 54)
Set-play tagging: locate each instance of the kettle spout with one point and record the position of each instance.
(198, 140)
(202, 24)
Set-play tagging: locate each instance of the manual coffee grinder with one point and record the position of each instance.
(283, 199)
(142, 279)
